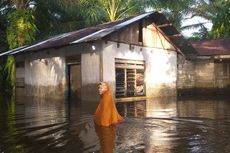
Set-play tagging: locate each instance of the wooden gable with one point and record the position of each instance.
(142, 33)
(153, 37)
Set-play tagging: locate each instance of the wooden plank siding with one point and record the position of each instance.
(143, 33)
(128, 35)
(153, 37)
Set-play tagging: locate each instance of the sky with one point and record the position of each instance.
(194, 20)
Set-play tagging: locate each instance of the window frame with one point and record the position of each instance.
(130, 67)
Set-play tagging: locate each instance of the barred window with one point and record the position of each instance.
(129, 78)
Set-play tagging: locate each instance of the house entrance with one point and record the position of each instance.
(74, 79)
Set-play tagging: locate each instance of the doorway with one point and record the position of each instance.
(74, 80)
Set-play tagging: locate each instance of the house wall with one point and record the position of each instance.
(185, 76)
(222, 74)
(45, 77)
(204, 74)
(195, 77)
(90, 76)
(160, 67)
(143, 41)
(45, 71)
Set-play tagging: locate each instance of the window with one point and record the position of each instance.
(129, 78)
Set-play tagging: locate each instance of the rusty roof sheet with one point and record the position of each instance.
(212, 47)
(102, 30)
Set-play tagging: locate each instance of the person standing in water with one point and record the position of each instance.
(106, 113)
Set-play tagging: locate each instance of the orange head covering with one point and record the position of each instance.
(106, 113)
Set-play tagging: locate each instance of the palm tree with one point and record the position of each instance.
(221, 24)
(215, 11)
(99, 11)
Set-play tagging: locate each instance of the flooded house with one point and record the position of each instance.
(213, 65)
(209, 71)
(137, 56)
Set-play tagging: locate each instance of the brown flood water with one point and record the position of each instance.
(154, 126)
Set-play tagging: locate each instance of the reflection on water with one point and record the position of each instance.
(106, 136)
(154, 126)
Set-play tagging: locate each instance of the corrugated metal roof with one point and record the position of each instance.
(100, 31)
(212, 47)
(11, 51)
(104, 32)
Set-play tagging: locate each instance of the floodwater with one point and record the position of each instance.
(155, 126)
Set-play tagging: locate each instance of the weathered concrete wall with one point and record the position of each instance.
(90, 75)
(195, 77)
(45, 77)
(160, 67)
(204, 76)
(222, 74)
(45, 71)
(185, 76)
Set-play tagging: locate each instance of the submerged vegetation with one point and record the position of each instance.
(25, 21)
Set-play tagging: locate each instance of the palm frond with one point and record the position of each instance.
(193, 26)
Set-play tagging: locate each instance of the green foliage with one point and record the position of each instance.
(94, 14)
(98, 11)
(55, 17)
(1, 77)
(218, 12)
(203, 33)
(221, 24)
(3, 24)
(22, 29)
(206, 8)
(9, 71)
(175, 12)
